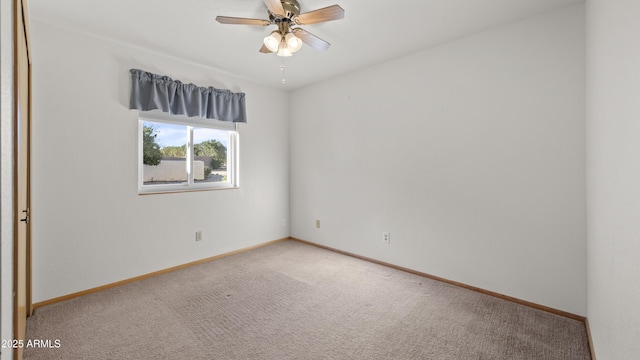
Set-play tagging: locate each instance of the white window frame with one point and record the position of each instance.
(233, 166)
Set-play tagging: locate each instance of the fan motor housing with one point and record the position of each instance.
(291, 8)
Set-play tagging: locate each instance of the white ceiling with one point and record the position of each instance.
(370, 33)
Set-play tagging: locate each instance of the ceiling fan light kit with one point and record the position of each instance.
(282, 42)
(288, 39)
(293, 43)
(272, 42)
(284, 50)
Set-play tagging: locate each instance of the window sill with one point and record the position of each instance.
(176, 191)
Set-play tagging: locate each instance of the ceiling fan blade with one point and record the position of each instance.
(265, 50)
(311, 40)
(333, 12)
(241, 21)
(275, 7)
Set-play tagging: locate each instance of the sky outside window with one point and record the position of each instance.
(176, 135)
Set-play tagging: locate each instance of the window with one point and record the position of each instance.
(186, 154)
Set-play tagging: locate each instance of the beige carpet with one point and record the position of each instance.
(294, 301)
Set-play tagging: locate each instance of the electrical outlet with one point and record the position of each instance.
(317, 224)
(198, 235)
(386, 237)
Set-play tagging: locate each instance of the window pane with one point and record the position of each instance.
(184, 155)
(210, 155)
(164, 153)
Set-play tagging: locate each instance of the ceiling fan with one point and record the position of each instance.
(286, 15)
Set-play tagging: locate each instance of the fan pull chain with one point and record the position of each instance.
(284, 81)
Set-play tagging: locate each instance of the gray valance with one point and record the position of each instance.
(151, 91)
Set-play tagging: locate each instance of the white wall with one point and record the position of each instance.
(6, 175)
(471, 153)
(90, 227)
(613, 177)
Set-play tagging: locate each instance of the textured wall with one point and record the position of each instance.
(6, 174)
(471, 153)
(90, 225)
(613, 176)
